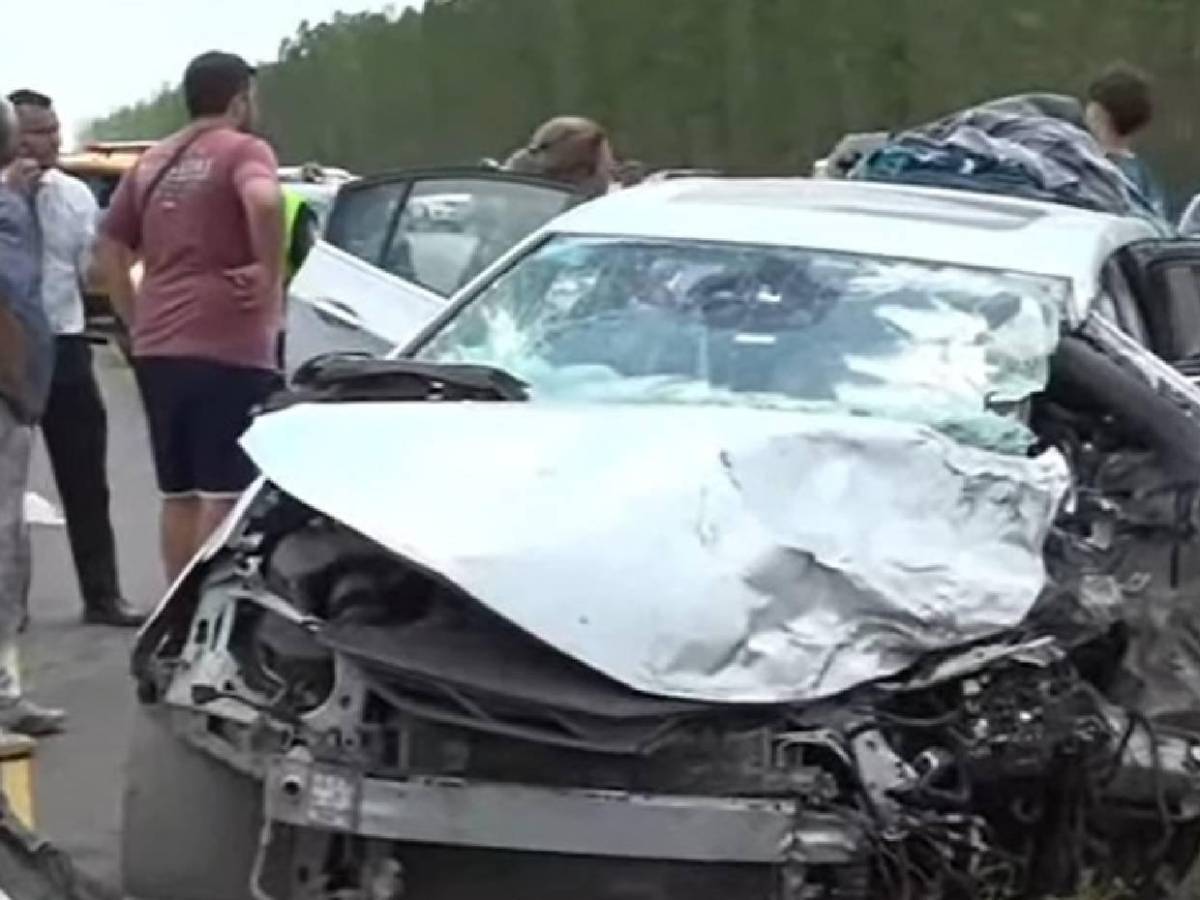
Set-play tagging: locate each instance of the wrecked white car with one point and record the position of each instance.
(754, 539)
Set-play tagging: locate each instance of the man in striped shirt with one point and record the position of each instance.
(26, 363)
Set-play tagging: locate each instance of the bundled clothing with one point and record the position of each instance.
(1034, 146)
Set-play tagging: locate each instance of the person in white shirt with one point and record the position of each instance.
(75, 425)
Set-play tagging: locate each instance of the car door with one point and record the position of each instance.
(1164, 278)
(397, 246)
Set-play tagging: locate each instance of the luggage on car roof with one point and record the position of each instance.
(1034, 146)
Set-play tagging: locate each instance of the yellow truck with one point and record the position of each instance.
(101, 165)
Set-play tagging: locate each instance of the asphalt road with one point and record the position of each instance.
(79, 776)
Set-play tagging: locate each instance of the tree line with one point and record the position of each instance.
(760, 86)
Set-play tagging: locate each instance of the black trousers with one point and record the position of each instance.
(75, 428)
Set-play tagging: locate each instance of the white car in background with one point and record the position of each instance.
(318, 185)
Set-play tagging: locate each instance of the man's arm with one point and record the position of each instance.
(263, 202)
(13, 349)
(256, 179)
(113, 262)
(116, 248)
(20, 304)
(87, 272)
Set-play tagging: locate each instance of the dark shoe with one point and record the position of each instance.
(26, 717)
(116, 612)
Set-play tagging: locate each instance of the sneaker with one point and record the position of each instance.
(26, 717)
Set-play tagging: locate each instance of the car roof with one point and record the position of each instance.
(323, 189)
(956, 227)
(329, 175)
(118, 146)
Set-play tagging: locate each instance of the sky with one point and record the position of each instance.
(92, 56)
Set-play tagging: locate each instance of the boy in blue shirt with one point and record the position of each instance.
(1119, 107)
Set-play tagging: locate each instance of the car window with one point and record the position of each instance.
(319, 198)
(1106, 306)
(1189, 222)
(1122, 307)
(321, 205)
(362, 218)
(1182, 282)
(451, 229)
(622, 320)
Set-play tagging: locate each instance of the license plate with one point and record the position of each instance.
(333, 799)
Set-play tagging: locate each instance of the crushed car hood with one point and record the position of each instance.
(714, 554)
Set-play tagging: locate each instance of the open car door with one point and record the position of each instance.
(1163, 279)
(397, 246)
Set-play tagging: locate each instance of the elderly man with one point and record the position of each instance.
(26, 361)
(75, 426)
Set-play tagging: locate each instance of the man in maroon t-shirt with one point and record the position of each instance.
(204, 212)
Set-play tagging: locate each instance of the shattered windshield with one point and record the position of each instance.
(586, 319)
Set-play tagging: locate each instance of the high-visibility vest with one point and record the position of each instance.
(293, 205)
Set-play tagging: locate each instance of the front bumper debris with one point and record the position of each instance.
(468, 813)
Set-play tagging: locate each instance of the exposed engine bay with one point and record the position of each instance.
(414, 743)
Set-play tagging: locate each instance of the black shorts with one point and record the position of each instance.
(197, 410)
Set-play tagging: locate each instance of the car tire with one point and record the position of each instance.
(191, 824)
